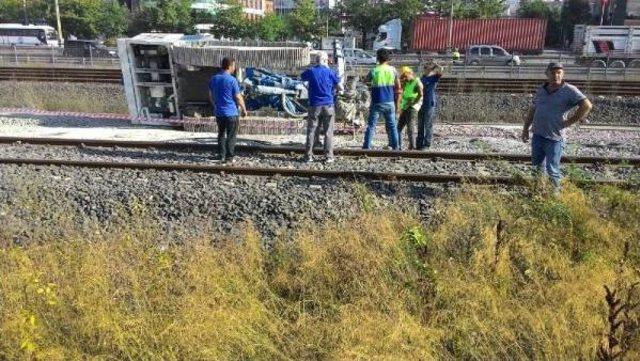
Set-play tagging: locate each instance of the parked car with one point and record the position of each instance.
(357, 56)
(490, 55)
(87, 49)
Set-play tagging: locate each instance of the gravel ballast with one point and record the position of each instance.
(294, 161)
(187, 202)
(459, 108)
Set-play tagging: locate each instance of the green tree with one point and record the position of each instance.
(490, 8)
(303, 20)
(363, 15)
(406, 11)
(540, 9)
(12, 10)
(271, 28)
(82, 18)
(163, 15)
(463, 9)
(230, 22)
(112, 20)
(574, 12)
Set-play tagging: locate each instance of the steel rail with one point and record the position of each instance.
(448, 84)
(301, 173)
(347, 152)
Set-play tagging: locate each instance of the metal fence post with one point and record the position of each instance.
(15, 53)
(90, 55)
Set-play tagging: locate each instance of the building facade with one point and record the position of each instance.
(253, 9)
(286, 6)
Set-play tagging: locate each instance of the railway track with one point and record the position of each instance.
(345, 152)
(287, 171)
(301, 173)
(447, 85)
(54, 74)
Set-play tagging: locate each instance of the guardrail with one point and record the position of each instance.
(31, 56)
(523, 72)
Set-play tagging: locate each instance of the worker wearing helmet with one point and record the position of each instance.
(455, 55)
(410, 103)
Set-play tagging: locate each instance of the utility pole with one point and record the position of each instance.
(24, 9)
(58, 23)
(604, 3)
(451, 28)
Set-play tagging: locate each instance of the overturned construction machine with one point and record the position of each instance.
(266, 89)
(166, 75)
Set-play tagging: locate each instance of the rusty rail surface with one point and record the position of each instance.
(347, 152)
(73, 75)
(303, 173)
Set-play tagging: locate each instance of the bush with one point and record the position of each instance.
(495, 276)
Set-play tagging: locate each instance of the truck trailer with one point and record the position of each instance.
(435, 34)
(613, 46)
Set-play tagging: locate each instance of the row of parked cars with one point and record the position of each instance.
(475, 55)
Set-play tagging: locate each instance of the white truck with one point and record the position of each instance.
(389, 36)
(607, 46)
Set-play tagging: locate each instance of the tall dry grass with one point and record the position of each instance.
(495, 276)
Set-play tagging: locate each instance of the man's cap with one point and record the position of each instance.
(555, 65)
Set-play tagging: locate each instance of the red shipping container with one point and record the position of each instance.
(522, 35)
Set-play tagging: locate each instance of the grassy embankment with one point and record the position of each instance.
(495, 276)
(72, 97)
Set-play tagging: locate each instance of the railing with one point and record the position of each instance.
(32, 56)
(523, 72)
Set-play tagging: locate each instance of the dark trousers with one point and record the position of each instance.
(408, 119)
(321, 115)
(426, 117)
(227, 131)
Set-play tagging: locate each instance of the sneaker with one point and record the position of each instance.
(231, 160)
(308, 159)
(330, 160)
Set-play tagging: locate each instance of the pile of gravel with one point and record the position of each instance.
(179, 200)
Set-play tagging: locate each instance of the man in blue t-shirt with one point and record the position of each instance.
(322, 85)
(427, 113)
(549, 116)
(225, 97)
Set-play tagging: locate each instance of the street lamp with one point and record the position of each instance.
(604, 3)
(451, 28)
(24, 10)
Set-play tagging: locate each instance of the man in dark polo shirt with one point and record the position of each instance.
(549, 117)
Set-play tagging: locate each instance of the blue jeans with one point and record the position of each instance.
(388, 111)
(549, 150)
(425, 127)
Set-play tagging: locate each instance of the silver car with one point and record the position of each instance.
(490, 55)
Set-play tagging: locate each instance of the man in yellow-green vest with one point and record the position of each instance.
(385, 100)
(410, 103)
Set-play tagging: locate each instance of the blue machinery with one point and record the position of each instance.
(280, 92)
